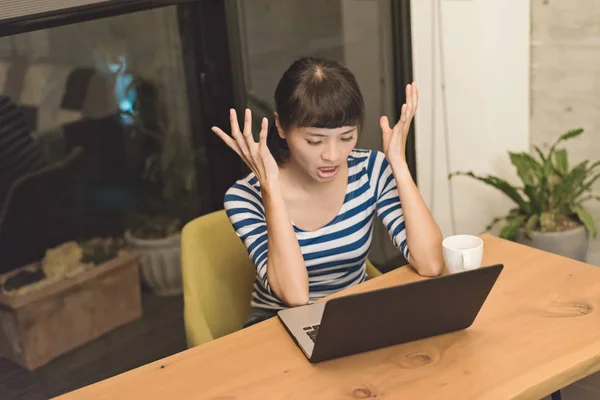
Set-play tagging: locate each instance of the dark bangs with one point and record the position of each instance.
(314, 92)
(321, 94)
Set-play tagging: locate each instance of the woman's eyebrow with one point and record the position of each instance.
(321, 135)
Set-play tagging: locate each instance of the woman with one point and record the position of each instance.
(306, 210)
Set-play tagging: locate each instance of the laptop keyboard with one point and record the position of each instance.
(312, 331)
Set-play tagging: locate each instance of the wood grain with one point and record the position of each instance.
(537, 332)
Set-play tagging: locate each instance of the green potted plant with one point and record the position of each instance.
(165, 196)
(155, 223)
(550, 213)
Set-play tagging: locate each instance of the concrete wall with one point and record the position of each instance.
(565, 81)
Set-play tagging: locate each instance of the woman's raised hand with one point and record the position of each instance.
(394, 139)
(256, 155)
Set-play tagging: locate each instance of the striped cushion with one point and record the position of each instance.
(52, 95)
(19, 152)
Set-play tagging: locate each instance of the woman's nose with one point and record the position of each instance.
(330, 154)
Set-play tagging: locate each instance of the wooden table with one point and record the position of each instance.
(538, 331)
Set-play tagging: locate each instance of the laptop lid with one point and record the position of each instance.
(384, 317)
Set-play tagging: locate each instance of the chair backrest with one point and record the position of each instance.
(218, 278)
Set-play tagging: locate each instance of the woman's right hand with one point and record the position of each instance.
(256, 155)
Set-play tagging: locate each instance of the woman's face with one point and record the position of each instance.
(320, 152)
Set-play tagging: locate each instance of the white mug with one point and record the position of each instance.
(462, 252)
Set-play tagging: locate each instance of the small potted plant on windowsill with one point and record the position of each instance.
(550, 213)
(165, 196)
(166, 200)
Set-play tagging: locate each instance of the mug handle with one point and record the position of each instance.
(466, 258)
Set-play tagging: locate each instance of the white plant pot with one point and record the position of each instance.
(160, 263)
(572, 243)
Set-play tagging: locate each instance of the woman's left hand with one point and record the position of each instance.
(394, 139)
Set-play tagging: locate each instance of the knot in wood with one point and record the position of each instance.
(567, 309)
(362, 393)
(417, 359)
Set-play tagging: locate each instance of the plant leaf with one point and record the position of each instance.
(531, 224)
(493, 222)
(528, 168)
(586, 186)
(548, 169)
(501, 185)
(537, 197)
(561, 163)
(540, 153)
(594, 165)
(569, 135)
(512, 226)
(567, 189)
(586, 219)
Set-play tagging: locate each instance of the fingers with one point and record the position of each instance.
(237, 135)
(409, 97)
(385, 124)
(412, 98)
(233, 121)
(252, 146)
(228, 140)
(402, 120)
(415, 98)
(409, 108)
(264, 129)
(247, 122)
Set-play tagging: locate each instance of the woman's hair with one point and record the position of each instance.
(314, 92)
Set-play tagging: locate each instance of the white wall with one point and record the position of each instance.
(486, 69)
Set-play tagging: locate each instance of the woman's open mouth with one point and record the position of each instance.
(327, 172)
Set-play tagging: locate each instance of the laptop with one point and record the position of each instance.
(389, 316)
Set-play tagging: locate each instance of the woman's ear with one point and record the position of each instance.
(279, 130)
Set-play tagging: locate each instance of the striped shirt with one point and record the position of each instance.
(334, 254)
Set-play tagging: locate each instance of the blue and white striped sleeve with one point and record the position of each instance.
(246, 213)
(387, 200)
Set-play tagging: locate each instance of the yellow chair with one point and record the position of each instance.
(372, 271)
(218, 278)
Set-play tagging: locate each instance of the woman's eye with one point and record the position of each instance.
(313, 143)
(348, 139)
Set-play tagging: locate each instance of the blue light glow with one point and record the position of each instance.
(125, 92)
